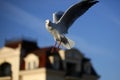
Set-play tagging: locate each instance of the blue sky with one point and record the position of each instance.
(96, 33)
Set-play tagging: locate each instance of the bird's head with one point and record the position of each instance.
(48, 24)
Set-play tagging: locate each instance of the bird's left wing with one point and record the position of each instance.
(74, 12)
(57, 16)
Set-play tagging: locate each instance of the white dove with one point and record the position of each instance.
(63, 20)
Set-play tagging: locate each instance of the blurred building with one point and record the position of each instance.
(24, 60)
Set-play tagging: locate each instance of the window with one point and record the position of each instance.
(29, 66)
(32, 65)
(31, 61)
(56, 62)
(5, 69)
(35, 65)
(87, 68)
(70, 68)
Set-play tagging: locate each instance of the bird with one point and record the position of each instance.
(62, 21)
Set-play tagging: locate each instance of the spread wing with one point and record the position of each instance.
(73, 13)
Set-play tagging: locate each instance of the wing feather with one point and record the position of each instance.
(74, 12)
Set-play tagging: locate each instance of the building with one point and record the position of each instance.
(24, 60)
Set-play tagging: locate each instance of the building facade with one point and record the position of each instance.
(24, 60)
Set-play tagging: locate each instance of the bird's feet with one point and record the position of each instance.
(54, 47)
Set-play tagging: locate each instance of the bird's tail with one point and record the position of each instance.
(67, 43)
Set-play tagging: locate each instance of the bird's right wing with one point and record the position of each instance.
(74, 12)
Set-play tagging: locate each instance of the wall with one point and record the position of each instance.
(11, 56)
(36, 74)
